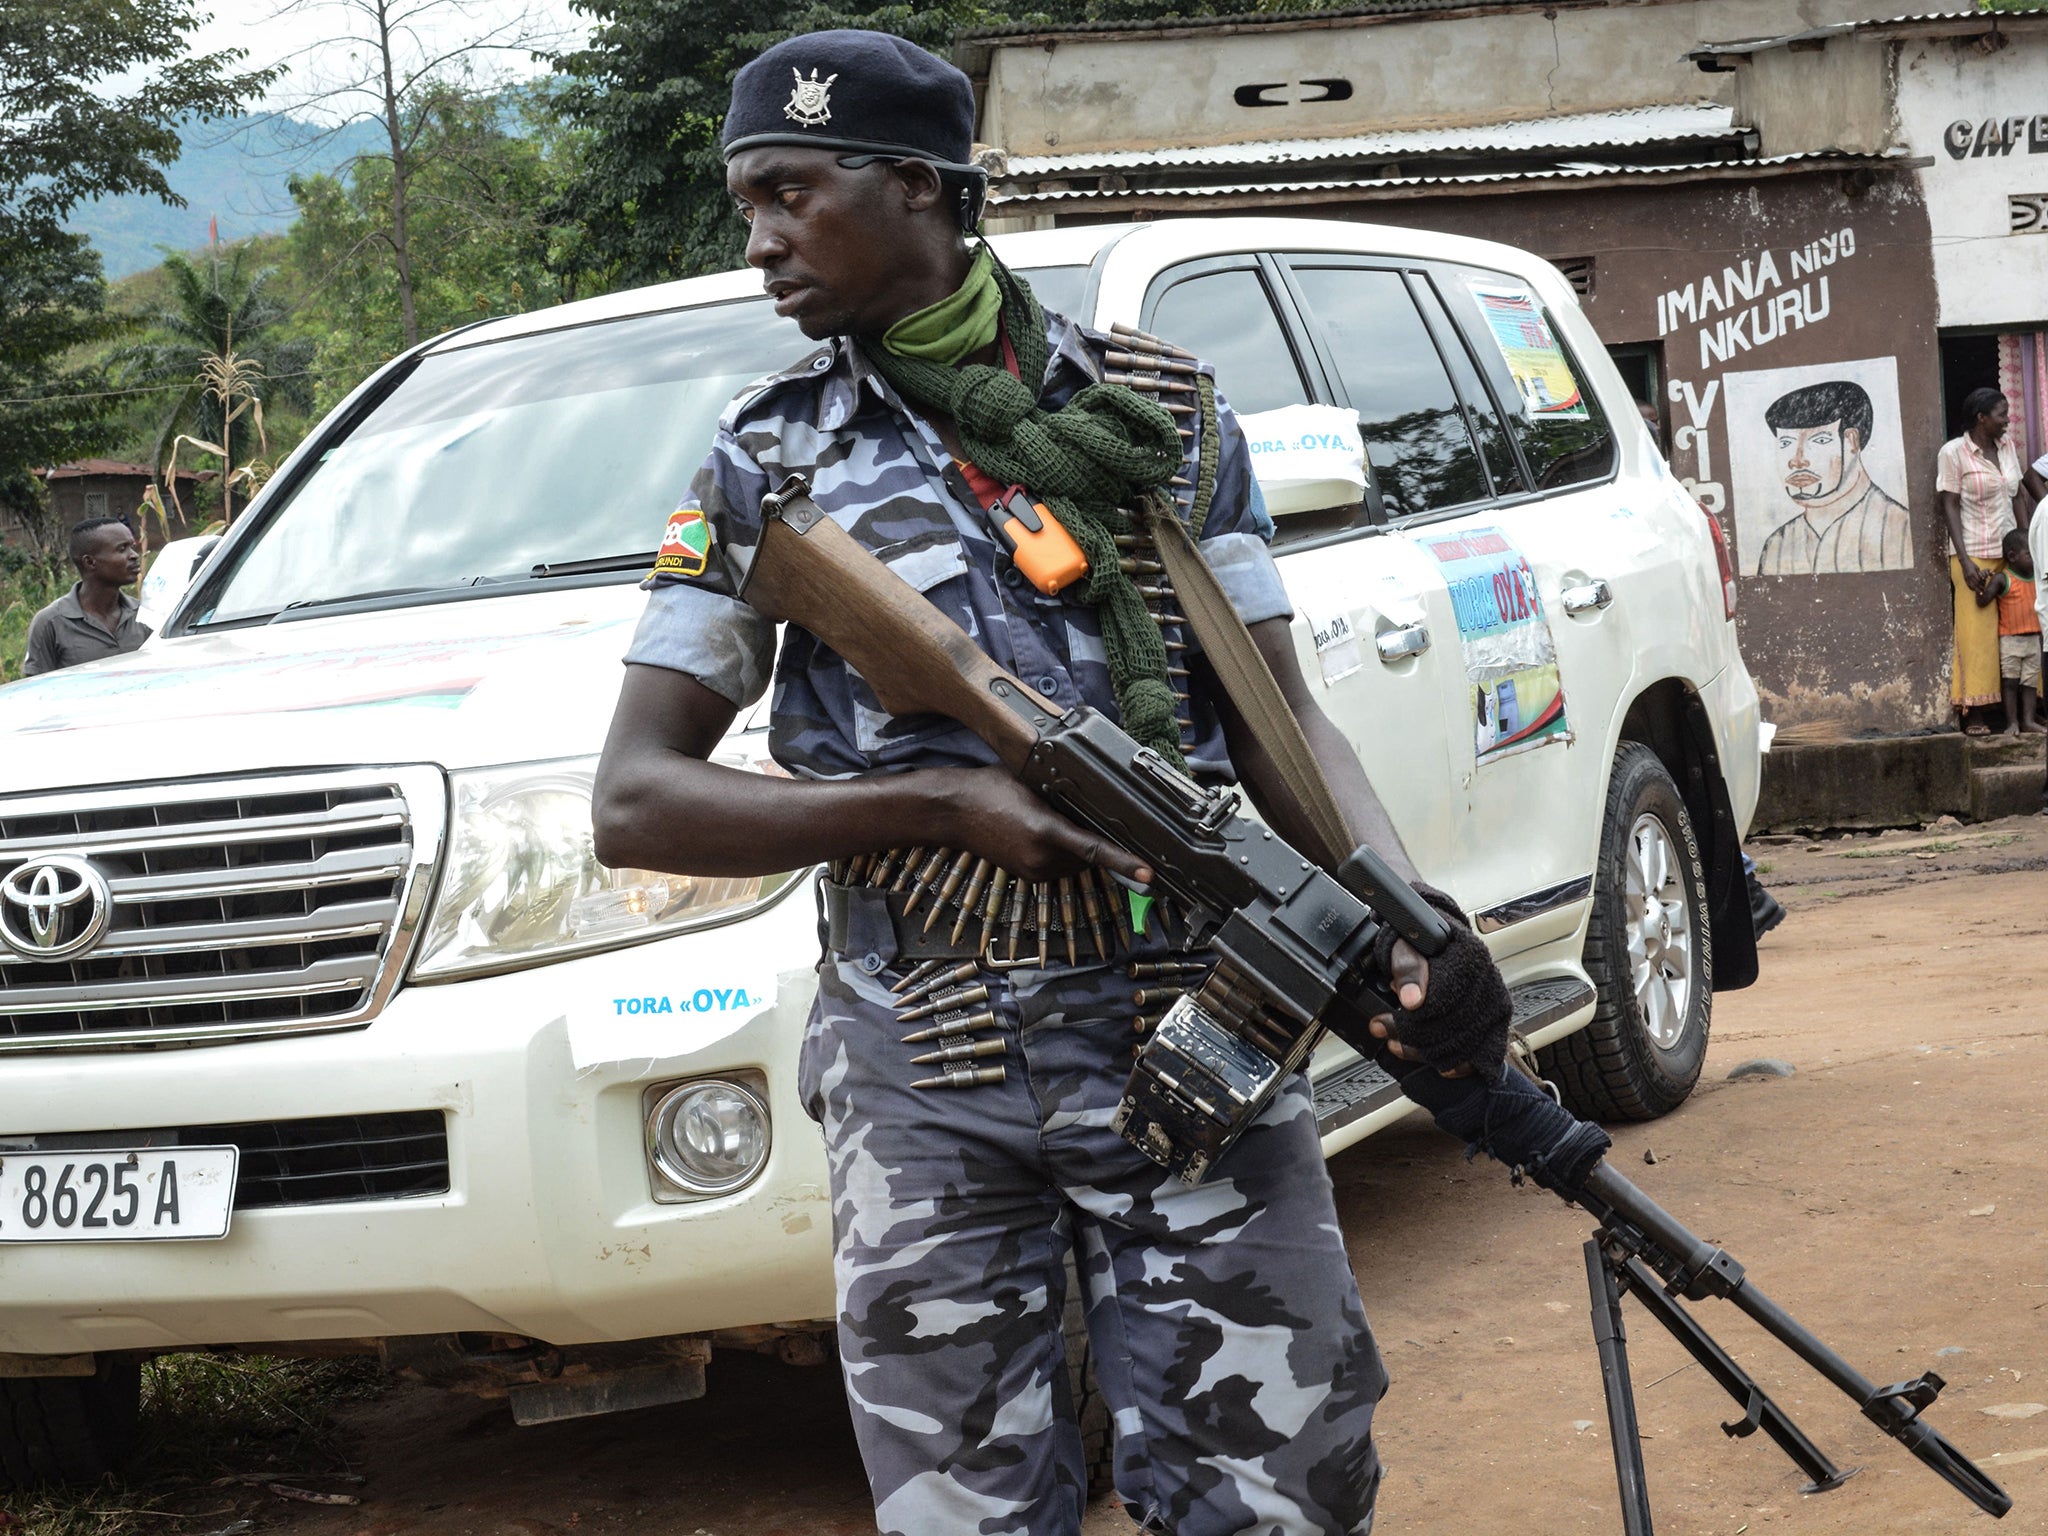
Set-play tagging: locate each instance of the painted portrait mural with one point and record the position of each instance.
(1817, 469)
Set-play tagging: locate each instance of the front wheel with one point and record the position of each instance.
(1649, 952)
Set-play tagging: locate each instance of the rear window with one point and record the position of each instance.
(1553, 414)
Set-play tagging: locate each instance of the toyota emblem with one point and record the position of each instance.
(53, 906)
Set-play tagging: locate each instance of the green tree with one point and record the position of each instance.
(64, 138)
(483, 172)
(222, 337)
(403, 67)
(647, 97)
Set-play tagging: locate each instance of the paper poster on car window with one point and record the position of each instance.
(1541, 373)
(1514, 696)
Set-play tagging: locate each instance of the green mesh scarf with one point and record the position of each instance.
(1106, 447)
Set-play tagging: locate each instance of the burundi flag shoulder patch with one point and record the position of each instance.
(685, 544)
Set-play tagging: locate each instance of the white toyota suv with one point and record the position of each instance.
(321, 1027)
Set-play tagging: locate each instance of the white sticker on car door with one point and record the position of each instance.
(1336, 638)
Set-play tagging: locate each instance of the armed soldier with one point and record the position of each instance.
(969, 439)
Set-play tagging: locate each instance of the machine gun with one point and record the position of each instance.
(1296, 947)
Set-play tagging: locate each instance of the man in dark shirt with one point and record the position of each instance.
(95, 618)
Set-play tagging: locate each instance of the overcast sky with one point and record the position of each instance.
(303, 35)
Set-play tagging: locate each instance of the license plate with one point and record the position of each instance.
(116, 1196)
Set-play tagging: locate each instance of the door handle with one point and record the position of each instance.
(1588, 597)
(1398, 644)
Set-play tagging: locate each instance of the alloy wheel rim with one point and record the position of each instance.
(1660, 934)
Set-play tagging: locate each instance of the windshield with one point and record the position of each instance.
(504, 460)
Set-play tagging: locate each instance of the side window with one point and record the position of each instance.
(1564, 434)
(1494, 446)
(1416, 435)
(1226, 318)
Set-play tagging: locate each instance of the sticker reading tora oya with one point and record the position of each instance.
(685, 543)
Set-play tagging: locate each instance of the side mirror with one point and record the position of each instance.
(170, 576)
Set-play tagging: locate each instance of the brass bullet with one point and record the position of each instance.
(952, 1024)
(965, 1050)
(1152, 997)
(955, 873)
(1145, 341)
(1119, 907)
(948, 974)
(1091, 905)
(1044, 895)
(1152, 361)
(1141, 970)
(992, 906)
(963, 1077)
(918, 975)
(924, 879)
(970, 899)
(1016, 918)
(908, 868)
(1132, 566)
(944, 1002)
(1067, 919)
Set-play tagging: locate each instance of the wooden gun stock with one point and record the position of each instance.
(812, 573)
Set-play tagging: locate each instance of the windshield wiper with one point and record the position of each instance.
(303, 604)
(643, 562)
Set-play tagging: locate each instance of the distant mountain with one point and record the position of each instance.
(234, 169)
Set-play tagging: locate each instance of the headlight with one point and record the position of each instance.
(708, 1137)
(523, 887)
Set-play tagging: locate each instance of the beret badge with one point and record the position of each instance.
(811, 102)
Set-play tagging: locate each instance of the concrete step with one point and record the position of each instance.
(2005, 789)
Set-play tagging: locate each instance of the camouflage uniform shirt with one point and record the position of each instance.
(882, 473)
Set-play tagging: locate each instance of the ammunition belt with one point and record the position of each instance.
(950, 919)
(943, 904)
(1172, 378)
(958, 916)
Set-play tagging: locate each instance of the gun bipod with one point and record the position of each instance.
(1612, 1271)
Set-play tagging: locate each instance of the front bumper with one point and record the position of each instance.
(550, 1228)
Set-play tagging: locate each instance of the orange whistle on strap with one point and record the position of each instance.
(1039, 544)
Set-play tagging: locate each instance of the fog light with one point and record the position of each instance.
(709, 1137)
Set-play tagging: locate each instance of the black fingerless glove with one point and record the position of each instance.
(1465, 1009)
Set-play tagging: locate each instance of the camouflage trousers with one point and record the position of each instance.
(1225, 1325)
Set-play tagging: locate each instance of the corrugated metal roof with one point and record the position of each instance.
(1574, 131)
(1891, 160)
(1743, 47)
(1248, 19)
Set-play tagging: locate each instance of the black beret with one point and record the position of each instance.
(865, 92)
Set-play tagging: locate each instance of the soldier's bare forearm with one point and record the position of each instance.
(659, 804)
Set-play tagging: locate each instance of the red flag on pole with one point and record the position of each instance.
(213, 229)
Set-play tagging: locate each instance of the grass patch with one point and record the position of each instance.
(208, 1417)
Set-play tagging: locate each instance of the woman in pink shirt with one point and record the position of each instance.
(1977, 483)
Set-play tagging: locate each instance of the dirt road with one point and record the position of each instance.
(1891, 1194)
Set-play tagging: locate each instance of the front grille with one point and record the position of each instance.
(242, 907)
(298, 1162)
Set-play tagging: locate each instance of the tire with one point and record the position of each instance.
(1091, 1409)
(69, 1429)
(1652, 962)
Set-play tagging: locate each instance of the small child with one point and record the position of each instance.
(2019, 640)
